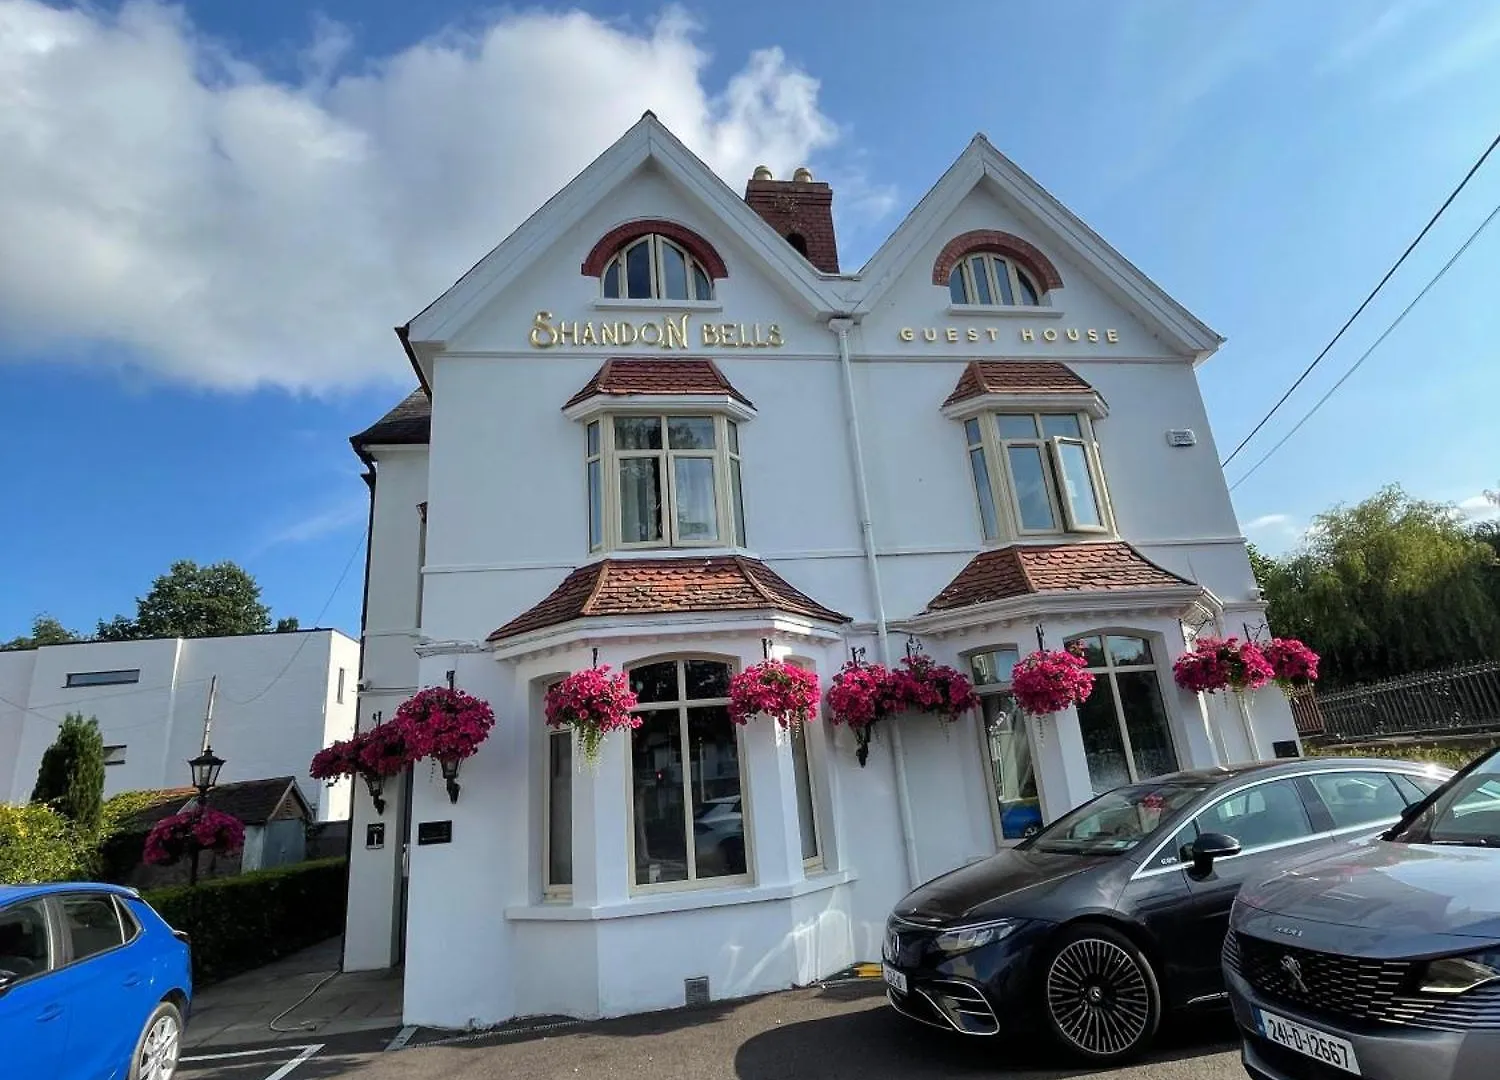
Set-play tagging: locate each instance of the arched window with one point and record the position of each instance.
(655, 268)
(992, 279)
(1126, 733)
(687, 815)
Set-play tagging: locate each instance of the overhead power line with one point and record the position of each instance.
(1366, 355)
(1357, 311)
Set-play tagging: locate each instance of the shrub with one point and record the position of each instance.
(39, 844)
(71, 776)
(240, 923)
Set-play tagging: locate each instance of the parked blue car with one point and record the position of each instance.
(93, 985)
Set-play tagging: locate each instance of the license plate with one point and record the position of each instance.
(896, 979)
(1310, 1041)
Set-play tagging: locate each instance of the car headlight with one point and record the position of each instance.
(1459, 974)
(962, 939)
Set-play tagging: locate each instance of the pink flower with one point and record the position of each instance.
(339, 759)
(208, 829)
(1293, 665)
(443, 723)
(1049, 681)
(786, 693)
(861, 695)
(920, 685)
(1215, 664)
(593, 702)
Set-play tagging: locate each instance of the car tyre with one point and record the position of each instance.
(160, 1044)
(1100, 995)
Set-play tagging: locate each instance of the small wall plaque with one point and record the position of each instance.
(1286, 748)
(1182, 437)
(375, 835)
(434, 832)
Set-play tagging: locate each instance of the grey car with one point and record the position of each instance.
(1383, 962)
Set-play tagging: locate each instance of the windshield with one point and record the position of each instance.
(1466, 813)
(1117, 820)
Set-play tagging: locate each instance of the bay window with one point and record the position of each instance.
(1126, 733)
(1011, 775)
(1036, 474)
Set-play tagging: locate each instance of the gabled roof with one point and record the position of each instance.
(410, 422)
(1055, 225)
(622, 376)
(1022, 569)
(983, 377)
(252, 801)
(667, 586)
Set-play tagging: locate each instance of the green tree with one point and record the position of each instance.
(288, 625)
(38, 844)
(194, 601)
(71, 777)
(45, 630)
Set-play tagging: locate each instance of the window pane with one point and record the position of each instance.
(673, 273)
(560, 809)
(656, 768)
(1002, 282)
(986, 493)
(1146, 723)
(1065, 425)
(1103, 748)
(1028, 291)
(697, 510)
(1016, 426)
(654, 682)
(640, 499)
(734, 436)
(1010, 760)
(92, 924)
(806, 814)
(705, 287)
(593, 438)
(1029, 474)
(993, 667)
(1092, 649)
(1359, 798)
(1266, 814)
(23, 940)
(739, 501)
(956, 286)
(1129, 650)
(596, 506)
(690, 432)
(971, 432)
(638, 270)
(981, 282)
(718, 817)
(637, 433)
(706, 679)
(612, 280)
(1078, 485)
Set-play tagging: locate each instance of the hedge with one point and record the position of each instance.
(239, 923)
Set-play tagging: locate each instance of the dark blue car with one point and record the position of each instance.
(93, 985)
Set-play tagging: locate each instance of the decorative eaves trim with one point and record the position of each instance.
(1090, 403)
(1175, 600)
(597, 404)
(662, 627)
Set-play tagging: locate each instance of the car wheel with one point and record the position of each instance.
(159, 1045)
(1101, 997)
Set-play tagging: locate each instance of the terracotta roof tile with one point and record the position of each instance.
(665, 586)
(409, 422)
(982, 377)
(625, 376)
(1023, 569)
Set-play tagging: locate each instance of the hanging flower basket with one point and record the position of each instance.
(446, 725)
(860, 696)
(1051, 680)
(1215, 664)
(784, 692)
(1294, 666)
(339, 759)
(204, 830)
(919, 685)
(593, 702)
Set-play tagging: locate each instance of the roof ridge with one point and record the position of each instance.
(740, 563)
(601, 572)
(1015, 554)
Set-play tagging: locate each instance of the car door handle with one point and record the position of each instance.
(51, 1012)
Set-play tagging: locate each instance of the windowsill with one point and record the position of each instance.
(1097, 536)
(1006, 311)
(687, 900)
(694, 551)
(604, 303)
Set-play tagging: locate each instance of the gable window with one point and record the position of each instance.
(655, 268)
(687, 811)
(663, 481)
(987, 279)
(1003, 739)
(1040, 469)
(114, 755)
(1126, 735)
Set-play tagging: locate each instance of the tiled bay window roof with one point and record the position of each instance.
(666, 586)
(624, 376)
(1016, 377)
(1023, 569)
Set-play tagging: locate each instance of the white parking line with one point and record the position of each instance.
(282, 1072)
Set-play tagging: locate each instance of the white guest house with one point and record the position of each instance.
(659, 427)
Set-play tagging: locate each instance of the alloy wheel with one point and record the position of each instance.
(160, 1048)
(1098, 997)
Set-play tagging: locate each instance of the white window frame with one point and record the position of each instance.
(818, 862)
(993, 269)
(986, 754)
(1110, 669)
(114, 754)
(657, 242)
(682, 704)
(556, 892)
(728, 498)
(1003, 490)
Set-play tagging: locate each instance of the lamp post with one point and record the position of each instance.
(205, 768)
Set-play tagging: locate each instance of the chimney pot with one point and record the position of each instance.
(762, 172)
(803, 175)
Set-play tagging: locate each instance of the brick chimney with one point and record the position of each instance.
(801, 210)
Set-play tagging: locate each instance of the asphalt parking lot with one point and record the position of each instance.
(831, 1033)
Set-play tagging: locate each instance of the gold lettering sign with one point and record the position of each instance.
(952, 335)
(672, 332)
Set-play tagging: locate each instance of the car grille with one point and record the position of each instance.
(1354, 988)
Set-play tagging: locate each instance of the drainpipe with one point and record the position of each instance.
(841, 327)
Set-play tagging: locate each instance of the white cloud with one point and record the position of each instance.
(338, 515)
(1383, 30)
(1478, 508)
(1268, 521)
(230, 230)
(1469, 48)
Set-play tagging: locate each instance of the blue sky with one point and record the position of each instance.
(214, 214)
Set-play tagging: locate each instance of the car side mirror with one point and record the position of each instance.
(1210, 846)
